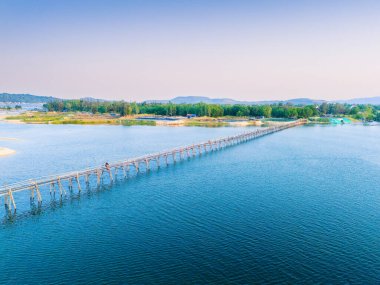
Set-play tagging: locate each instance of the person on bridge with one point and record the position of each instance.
(107, 166)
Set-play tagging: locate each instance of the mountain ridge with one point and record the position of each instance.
(228, 101)
(25, 98)
(29, 98)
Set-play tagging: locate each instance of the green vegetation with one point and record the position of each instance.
(38, 118)
(360, 112)
(126, 114)
(77, 119)
(199, 123)
(137, 123)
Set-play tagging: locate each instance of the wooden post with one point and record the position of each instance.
(51, 187)
(124, 173)
(98, 174)
(77, 178)
(136, 166)
(110, 173)
(39, 198)
(10, 194)
(61, 189)
(31, 193)
(6, 202)
(158, 161)
(127, 166)
(147, 164)
(166, 159)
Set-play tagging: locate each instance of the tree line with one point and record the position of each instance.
(122, 108)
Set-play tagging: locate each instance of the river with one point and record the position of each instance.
(298, 206)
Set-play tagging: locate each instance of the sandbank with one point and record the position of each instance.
(6, 151)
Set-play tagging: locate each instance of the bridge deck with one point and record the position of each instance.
(33, 185)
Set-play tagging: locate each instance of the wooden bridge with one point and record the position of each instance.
(59, 183)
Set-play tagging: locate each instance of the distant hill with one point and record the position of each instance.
(198, 99)
(364, 101)
(227, 101)
(91, 99)
(25, 98)
(28, 98)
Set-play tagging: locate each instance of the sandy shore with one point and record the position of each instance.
(6, 151)
(8, 139)
(3, 118)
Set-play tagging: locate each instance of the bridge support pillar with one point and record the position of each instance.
(147, 165)
(136, 164)
(39, 198)
(158, 161)
(61, 189)
(127, 170)
(98, 175)
(78, 182)
(110, 174)
(12, 200)
(6, 202)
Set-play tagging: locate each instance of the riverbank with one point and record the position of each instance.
(108, 119)
(79, 118)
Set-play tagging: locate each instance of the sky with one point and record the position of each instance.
(136, 50)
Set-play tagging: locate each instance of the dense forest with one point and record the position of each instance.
(367, 112)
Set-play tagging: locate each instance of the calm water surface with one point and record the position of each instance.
(299, 206)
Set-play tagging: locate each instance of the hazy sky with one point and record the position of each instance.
(137, 49)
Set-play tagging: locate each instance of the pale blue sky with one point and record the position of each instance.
(137, 50)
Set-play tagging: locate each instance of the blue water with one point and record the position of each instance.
(299, 206)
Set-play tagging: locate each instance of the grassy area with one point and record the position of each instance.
(76, 119)
(106, 119)
(137, 123)
(213, 124)
(318, 120)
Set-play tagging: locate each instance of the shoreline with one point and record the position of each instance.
(63, 118)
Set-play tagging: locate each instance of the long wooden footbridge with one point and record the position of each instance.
(59, 183)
